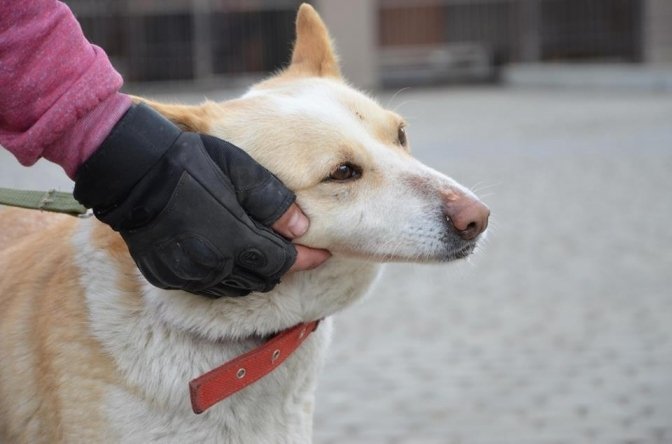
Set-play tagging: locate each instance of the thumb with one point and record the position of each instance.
(308, 258)
(293, 223)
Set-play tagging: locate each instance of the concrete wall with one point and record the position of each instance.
(658, 31)
(353, 26)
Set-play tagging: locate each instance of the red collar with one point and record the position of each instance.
(235, 375)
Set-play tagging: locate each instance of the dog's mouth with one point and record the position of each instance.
(463, 251)
(459, 252)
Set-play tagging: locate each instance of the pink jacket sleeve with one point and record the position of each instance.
(59, 95)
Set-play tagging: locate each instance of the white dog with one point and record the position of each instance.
(92, 353)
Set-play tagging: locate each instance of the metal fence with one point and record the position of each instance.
(190, 39)
(196, 39)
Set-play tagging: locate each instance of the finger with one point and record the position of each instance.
(258, 191)
(308, 258)
(293, 223)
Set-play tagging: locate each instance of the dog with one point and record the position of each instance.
(91, 352)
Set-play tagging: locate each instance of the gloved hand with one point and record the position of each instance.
(194, 210)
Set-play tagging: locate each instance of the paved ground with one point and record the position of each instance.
(560, 330)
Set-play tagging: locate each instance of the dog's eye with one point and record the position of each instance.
(345, 171)
(401, 136)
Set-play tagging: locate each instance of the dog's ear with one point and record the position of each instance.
(313, 53)
(188, 117)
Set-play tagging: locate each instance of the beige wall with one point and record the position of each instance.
(658, 31)
(353, 26)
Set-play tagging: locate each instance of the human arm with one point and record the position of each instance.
(59, 95)
(59, 99)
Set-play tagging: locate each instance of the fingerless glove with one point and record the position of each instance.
(194, 210)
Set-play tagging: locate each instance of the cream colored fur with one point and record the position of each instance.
(92, 353)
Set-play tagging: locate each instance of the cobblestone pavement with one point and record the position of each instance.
(560, 330)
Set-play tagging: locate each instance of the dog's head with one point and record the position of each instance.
(348, 160)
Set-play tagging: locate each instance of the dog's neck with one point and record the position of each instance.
(300, 297)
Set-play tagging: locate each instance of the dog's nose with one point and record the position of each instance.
(468, 215)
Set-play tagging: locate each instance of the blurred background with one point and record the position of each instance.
(383, 42)
(558, 113)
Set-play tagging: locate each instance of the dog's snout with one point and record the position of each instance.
(468, 215)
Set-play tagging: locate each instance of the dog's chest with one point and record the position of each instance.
(277, 408)
(158, 344)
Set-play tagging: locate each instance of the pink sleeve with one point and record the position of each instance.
(59, 95)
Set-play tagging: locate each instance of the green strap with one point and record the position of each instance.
(52, 200)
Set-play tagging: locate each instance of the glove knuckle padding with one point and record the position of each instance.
(203, 210)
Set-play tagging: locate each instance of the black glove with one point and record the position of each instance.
(194, 210)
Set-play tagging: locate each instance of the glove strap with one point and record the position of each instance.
(136, 143)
